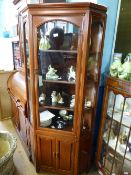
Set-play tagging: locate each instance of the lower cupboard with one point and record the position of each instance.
(55, 153)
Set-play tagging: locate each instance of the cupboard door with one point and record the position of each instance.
(64, 155)
(46, 151)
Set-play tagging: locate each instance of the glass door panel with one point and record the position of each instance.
(57, 64)
(94, 62)
(116, 152)
(27, 65)
(93, 69)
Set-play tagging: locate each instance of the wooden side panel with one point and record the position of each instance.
(15, 112)
(23, 131)
(46, 151)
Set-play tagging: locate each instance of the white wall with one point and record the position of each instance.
(6, 56)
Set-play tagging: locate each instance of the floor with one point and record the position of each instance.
(22, 164)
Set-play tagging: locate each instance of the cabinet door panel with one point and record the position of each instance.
(46, 151)
(64, 155)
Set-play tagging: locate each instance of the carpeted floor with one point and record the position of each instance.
(22, 164)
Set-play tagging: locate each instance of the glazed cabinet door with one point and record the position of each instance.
(46, 152)
(90, 78)
(115, 153)
(56, 75)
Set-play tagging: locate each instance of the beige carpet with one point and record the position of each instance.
(22, 164)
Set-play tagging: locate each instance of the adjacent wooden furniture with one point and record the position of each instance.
(5, 106)
(61, 44)
(114, 143)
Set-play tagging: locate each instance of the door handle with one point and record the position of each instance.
(54, 154)
(57, 155)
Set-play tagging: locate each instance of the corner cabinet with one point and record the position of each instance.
(62, 46)
(114, 143)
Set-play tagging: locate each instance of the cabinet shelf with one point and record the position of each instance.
(112, 144)
(56, 107)
(68, 128)
(59, 81)
(126, 120)
(61, 51)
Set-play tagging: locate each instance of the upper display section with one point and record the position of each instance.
(57, 58)
(57, 48)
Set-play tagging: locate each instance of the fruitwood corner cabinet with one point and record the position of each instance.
(62, 47)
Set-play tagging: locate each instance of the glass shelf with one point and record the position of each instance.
(112, 145)
(126, 119)
(60, 81)
(61, 51)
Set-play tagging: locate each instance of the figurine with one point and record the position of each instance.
(54, 97)
(59, 99)
(44, 42)
(72, 102)
(87, 103)
(42, 98)
(123, 138)
(51, 74)
(71, 74)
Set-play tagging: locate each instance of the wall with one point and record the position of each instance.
(7, 15)
(123, 39)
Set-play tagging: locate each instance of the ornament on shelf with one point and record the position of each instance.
(42, 98)
(71, 74)
(51, 74)
(54, 97)
(72, 102)
(59, 99)
(116, 64)
(87, 103)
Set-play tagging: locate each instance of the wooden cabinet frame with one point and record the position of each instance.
(68, 150)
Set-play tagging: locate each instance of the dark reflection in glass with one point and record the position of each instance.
(56, 39)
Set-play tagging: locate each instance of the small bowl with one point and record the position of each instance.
(46, 123)
(63, 112)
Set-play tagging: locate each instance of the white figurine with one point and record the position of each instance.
(60, 99)
(72, 102)
(42, 98)
(51, 74)
(71, 74)
(87, 103)
(54, 97)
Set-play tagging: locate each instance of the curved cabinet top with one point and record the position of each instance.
(119, 84)
(17, 87)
